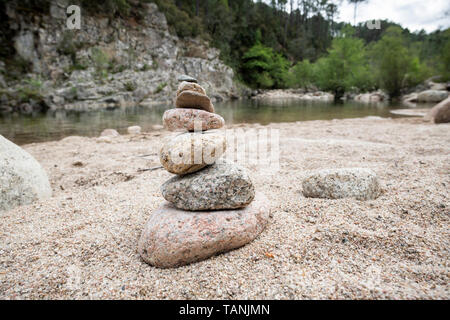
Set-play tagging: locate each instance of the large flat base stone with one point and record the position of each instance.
(174, 237)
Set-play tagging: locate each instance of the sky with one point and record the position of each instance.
(412, 14)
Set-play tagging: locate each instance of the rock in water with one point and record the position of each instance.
(194, 99)
(440, 113)
(190, 152)
(174, 237)
(185, 119)
(359, 183)
(223, 185)
(187, 78)
(22, 179)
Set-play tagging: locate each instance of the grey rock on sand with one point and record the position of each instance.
(190, 152)
(359, 183)
(174, 237)
(440, 113)
(185, 119)
(223, 185)
(22, 179)
(194, 99)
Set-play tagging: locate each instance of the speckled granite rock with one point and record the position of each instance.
(174, 237)
(134, 130)
(190, 152)
(223, 185)
(195, 100)
(22, 179)
(109, 133)
(184, 119)
(440, 113)
(185, 86)
(359, 183)
(187, 78)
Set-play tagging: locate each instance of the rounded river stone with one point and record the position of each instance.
(185, 119)
(190, 152)
(174, 237)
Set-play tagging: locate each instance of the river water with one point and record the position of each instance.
(55, 125)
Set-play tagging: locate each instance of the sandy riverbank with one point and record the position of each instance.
(82, 242)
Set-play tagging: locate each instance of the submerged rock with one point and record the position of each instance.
(190, 152)
(185, 119)
(359, 183)
(223, 185)
(22, 179)
(174, 237)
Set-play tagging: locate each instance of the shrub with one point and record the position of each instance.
(100, 61)
(160, 87)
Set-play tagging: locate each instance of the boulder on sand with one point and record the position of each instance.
(174, 237)
(185, 119)
(223, 185)
(22, 179)
(359, 183)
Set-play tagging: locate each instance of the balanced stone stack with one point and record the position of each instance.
(211, 203)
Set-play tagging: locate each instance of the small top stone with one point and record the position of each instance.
(185, 77)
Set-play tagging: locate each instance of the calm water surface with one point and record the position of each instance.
(55, 125)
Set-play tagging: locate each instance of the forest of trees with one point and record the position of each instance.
(287, 43)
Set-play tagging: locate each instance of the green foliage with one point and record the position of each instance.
(67, 46)
(344, 67)
(112, 7)
(262, 67)
(395, 65)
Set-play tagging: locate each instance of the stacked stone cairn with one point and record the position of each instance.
(211, 203)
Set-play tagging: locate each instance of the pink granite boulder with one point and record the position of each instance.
(174, 237)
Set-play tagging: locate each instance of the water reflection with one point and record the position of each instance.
(55, 125)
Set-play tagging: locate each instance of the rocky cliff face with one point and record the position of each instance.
(107, 63)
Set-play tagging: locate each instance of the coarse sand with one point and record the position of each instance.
(82, 243)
